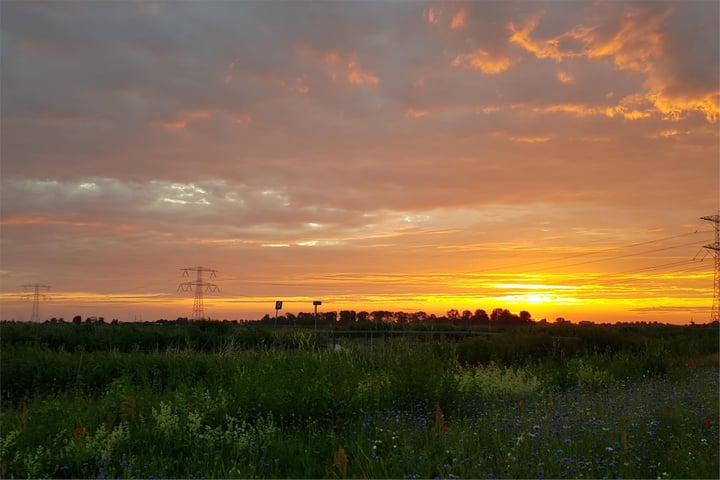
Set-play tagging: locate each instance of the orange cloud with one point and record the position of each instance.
(430, 15)
(566, 78)
(353, 72)
(522, 138)
(638, 46)
(673, 107)
(634, 46)
(357, 76)
(414, 113)
(458, 21)
(577, 109)
(38, 220)
(631, 108)
(184, 118)
(172, 124)
(528, 139)
(483, 61)
(521, 36)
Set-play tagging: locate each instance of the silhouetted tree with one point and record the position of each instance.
(347, 317)
(481, 317)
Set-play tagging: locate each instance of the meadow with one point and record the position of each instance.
(217, 400)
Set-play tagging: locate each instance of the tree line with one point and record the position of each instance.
(498, 316)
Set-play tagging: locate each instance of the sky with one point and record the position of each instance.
(554, 157)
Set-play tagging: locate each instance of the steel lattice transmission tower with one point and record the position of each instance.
(199, 286)
(715, 249)
(36, 296)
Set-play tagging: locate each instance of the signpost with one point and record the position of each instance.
(315, 304)
(278, 306)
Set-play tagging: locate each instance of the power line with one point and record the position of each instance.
(36, 296)
(714, 248)
(553, 263)
(198, 286)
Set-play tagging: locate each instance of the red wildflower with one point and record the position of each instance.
(708, 421)
(588, 387)
(691, 365)
(521, 403)
(445, 428)
(79, 431)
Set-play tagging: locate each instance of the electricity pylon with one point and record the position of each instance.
(715, 249)
(36, 296)
(198, 285)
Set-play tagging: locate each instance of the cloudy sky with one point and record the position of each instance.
(554, 157)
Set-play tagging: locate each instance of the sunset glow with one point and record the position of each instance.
(554, 157)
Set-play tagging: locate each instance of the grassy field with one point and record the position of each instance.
(213, 400)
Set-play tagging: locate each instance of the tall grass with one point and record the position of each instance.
(293, 406)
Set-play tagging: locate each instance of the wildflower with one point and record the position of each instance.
(521, 403)
(588, 387)
(64, 467)
(707, 421)
(341, 460)
(445, 429)
(79, 431)
(691, 365)
(124, 464)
